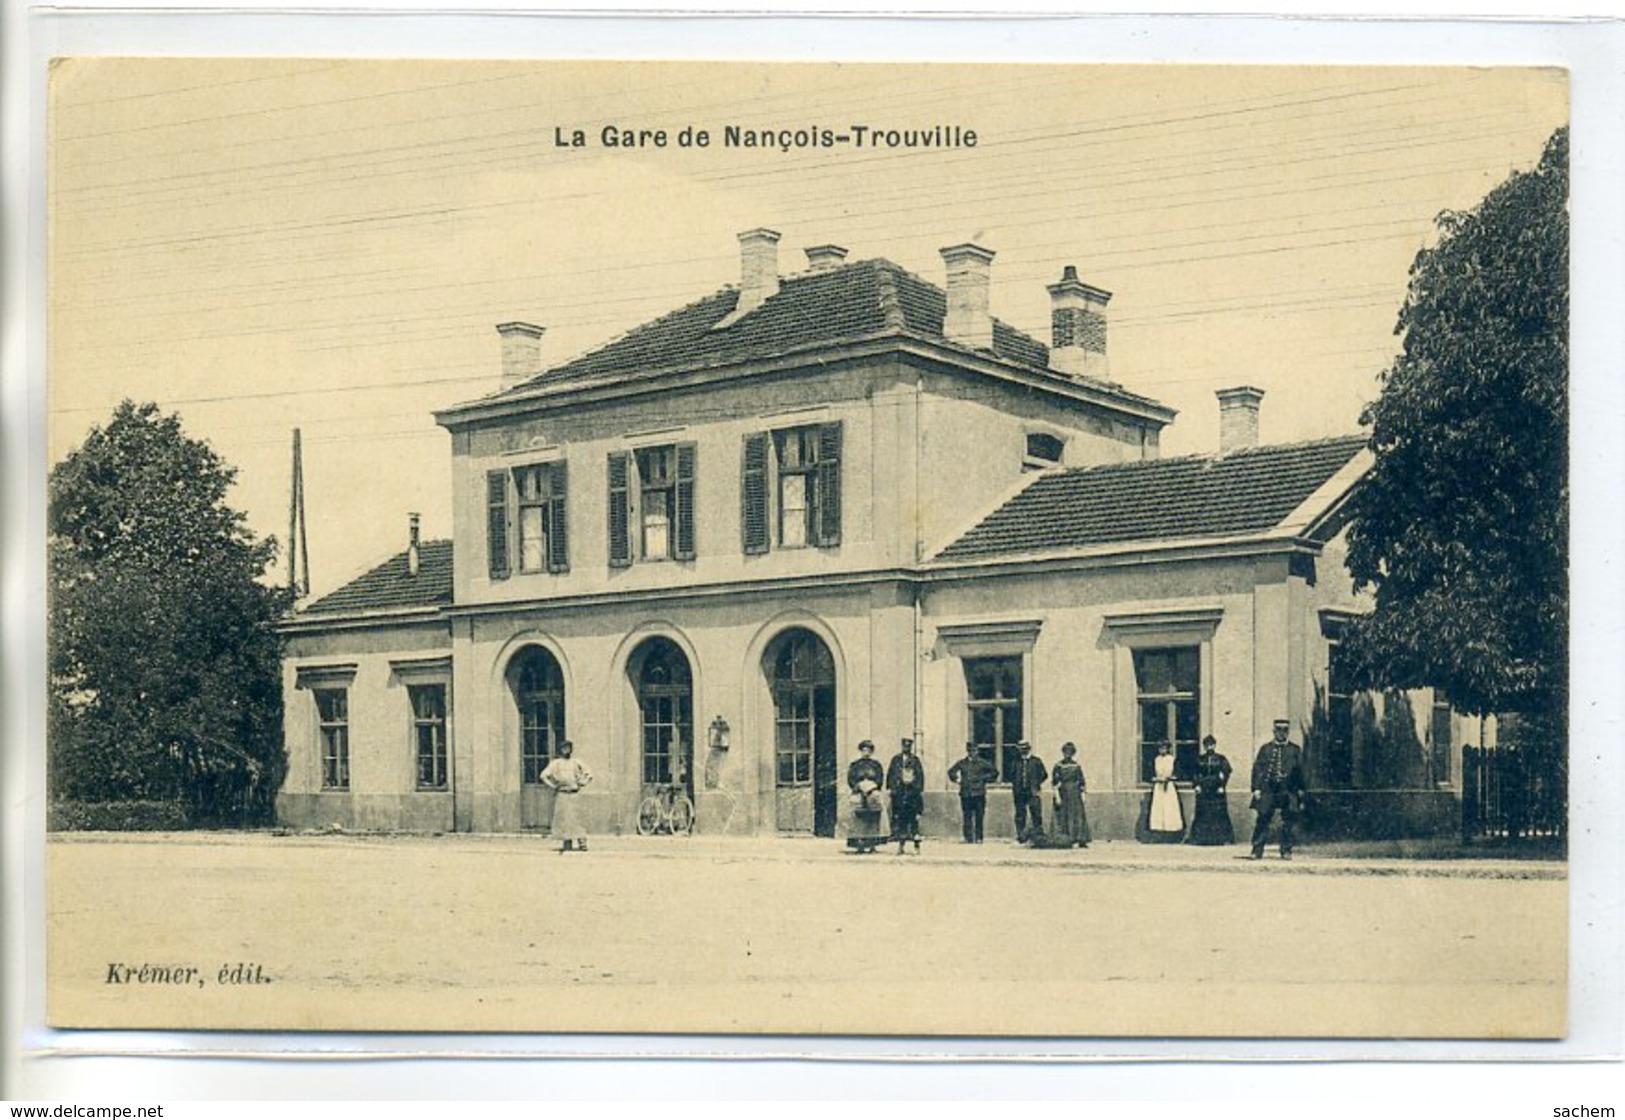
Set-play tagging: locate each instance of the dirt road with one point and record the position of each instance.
(502, 933)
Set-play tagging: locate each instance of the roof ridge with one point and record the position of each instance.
(1212, 456)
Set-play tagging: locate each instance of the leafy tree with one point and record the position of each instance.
(1462, 525)
(164, 661)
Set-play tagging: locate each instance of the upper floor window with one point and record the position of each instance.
(1043, 451)
(537, 535)
(791, 484)
(651, 504)
(1169, 687)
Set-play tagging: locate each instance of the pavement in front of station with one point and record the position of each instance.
(1436, 858)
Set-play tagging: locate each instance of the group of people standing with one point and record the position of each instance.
(1277, 790)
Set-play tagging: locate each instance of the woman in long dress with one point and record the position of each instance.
(1210, 822)
(1071, 821)
(1167, 819)
(567, 777)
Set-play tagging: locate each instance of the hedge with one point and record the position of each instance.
(116, 816)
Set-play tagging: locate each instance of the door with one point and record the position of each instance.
(801, 675)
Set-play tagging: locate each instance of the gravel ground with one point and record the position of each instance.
(693, 934)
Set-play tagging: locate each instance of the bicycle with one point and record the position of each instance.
(668, 810)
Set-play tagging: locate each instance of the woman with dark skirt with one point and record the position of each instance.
(1071, 824)
(1210, 823)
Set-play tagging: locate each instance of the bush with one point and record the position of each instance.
(116, 816)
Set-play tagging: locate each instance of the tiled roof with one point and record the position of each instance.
(854, 301)
(1201, 496)
(391, 586)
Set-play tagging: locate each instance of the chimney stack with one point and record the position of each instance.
(969, 321)
(521, 352)
(1077, 326)
(1238, 417)
(758, 269)
(822, 258)
(414, 559)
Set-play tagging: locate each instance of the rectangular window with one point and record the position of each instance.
(531, 484)
(543, 540)
(793, 738)
(1339, 762)
(993, 702)
(797, 451)
(657, 498)
(333, 724)
(790, 488)
(1168, 683)
(1441, 740)
(429, 733)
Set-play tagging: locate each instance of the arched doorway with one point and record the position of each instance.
(664, 684)
(536, 684)
(801, 676)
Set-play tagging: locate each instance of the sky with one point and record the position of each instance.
(267, 244)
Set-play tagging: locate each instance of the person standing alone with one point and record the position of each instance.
(972, 772)
(567, 778)
(1277, 788)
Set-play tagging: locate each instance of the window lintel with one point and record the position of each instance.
(325, 676)
(983, 639)
(422, 670)
(1164, 621)
(1335, 620)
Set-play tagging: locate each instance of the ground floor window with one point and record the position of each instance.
(538, 688)
(333, 723)
(994, 713)
(1168, 685)
(665, 688)
(803, 680)
(429, 733)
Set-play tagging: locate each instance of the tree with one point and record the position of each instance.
(1461, 527)
(164, 659)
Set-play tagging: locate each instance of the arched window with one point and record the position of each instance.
(665, 687)
(538, 693)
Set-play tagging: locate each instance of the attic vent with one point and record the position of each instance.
(1043, 451)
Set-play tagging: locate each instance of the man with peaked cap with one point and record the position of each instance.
(905, 780)
(1027, 785)
(1277, 787)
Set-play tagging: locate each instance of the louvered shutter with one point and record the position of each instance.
(686, 454)
(753, 494)
(829, 485)
(496, 523)
(558, 530)
(620, 536)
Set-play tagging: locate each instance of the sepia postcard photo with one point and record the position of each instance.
(816, 549)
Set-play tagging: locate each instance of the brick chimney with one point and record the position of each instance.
(758, 269)
(521, 352)
(1077, 326)
(969, 322)
(822, 258)
(414, 559)
(1238, 417)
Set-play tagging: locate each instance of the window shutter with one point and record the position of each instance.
(753, 494)
(620, 537)
(829, 484)
(496, 523)
(558, 529)
(686, 454)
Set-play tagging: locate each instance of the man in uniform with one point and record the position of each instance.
(972, 772)
(1277, 787)
(905, 780)
(1027, 783)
